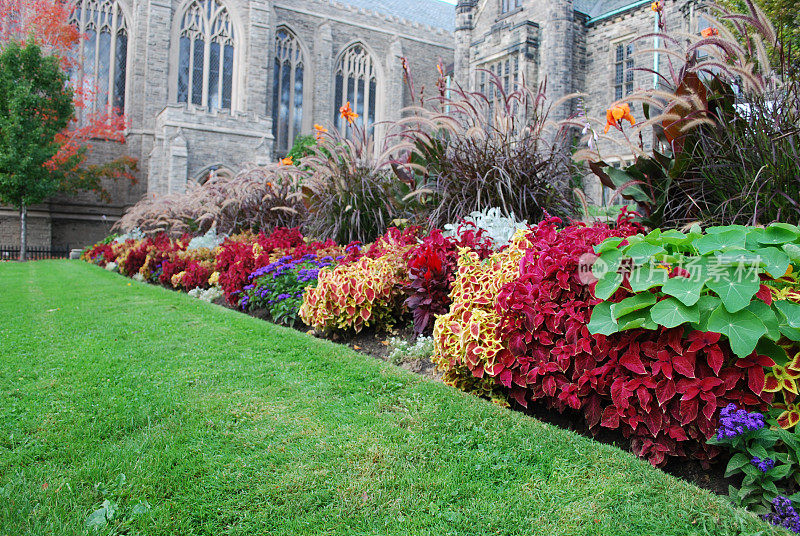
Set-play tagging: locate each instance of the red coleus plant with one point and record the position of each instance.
(432, 268)
(659, 388)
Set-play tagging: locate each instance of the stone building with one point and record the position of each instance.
(210, 84)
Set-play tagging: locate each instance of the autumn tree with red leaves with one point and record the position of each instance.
(45, 25)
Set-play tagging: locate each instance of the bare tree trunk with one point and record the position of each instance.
(23, 232)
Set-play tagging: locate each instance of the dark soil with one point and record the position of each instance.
(375, 343)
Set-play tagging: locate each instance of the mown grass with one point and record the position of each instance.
(227, 425)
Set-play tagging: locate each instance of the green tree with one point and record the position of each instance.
(35, 105)
(785, 17)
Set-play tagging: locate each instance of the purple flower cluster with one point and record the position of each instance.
(763, 465)
(784, 515)
(734, 422)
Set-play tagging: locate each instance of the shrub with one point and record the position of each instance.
(727, 127)
(404, 350)
(257, 198)
(431, 270)
(480, 151)
(354, 296)
(278, 287)
(498, 229)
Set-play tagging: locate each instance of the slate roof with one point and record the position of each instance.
(431, 12)
(598, 8)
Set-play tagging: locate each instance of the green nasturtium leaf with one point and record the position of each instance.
(765, 313)
(647, 276)
(634, 303)
(608, 244)
(674, 238)
(706, 305)
(736, 287)
(790, 310)
(793, 251)
(734, 238)
(719, 229)
(775, 261)
(602, 321)
(779, 233)
(609, 261)
(742, 328)
(637, 319)
(685, 289)
(773, 351)
(671, 313)
(642, 252)
(607, 285)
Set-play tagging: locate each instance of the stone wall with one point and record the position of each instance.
(177, 143)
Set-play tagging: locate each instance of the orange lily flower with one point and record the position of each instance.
(347, 113)
(320, 131)
(615, 116)
(709, 32)
(783, 378)
(287, 161)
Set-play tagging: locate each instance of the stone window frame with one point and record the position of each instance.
(307, 94)
(117, 23)
(628, 66)
(239, 39)
(508, 71)
(219, 168)
(377, 73)
(509, 6)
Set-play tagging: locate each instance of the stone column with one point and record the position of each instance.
(178, 163)
(323, 78)
(556, 48)
(463, 38)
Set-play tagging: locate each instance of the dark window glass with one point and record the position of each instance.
(276, 77)
(286, 88)
(103, 70)
(183, 70)
(297, 113)
(197, 74)
(120, 71)
(213, 77)
(227, 77)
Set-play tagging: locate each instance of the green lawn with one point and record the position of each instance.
(225, 424)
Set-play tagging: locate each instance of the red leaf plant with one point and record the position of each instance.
(432, 268)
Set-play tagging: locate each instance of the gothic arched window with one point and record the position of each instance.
(356, 83)
(287, 90)
(205, 58)
(103, 56)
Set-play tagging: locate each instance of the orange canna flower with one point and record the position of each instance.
(617, 114)
(320, 131)
(709, 32)
(287, 161)
(347, 113)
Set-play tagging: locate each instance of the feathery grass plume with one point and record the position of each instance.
(258, 198)
(349, 191)
(472, 151)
